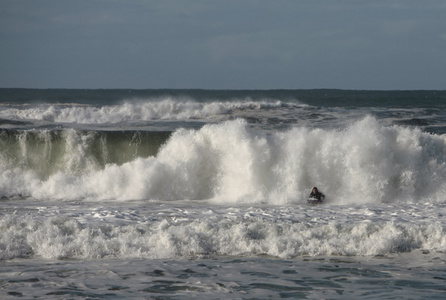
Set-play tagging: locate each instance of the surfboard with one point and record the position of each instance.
(312, 200)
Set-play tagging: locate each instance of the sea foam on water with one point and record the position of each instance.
(181, 231)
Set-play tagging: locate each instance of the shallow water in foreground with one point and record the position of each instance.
(192, 249)
(401, 276)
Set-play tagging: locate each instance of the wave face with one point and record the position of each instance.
(228, 162)
(45, 152)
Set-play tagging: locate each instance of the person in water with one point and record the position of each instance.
(316, 194)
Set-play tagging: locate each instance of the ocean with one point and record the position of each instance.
(202, 194)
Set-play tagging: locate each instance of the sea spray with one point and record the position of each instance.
(366, 162)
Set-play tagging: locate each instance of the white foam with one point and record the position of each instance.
(183, 231)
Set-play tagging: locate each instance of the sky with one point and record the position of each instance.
(227, 44)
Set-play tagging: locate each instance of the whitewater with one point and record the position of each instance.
(203, 194)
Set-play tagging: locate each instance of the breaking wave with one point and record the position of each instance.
(229, 162)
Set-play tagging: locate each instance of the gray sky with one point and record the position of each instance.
(223, 44)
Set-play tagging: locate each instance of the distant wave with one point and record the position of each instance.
(130, 111)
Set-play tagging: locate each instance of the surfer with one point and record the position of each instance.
(315, 194)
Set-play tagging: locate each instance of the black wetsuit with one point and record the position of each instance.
(319, 196)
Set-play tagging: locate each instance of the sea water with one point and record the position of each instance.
(175, 194)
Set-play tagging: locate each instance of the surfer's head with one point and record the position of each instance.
(315, 190)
